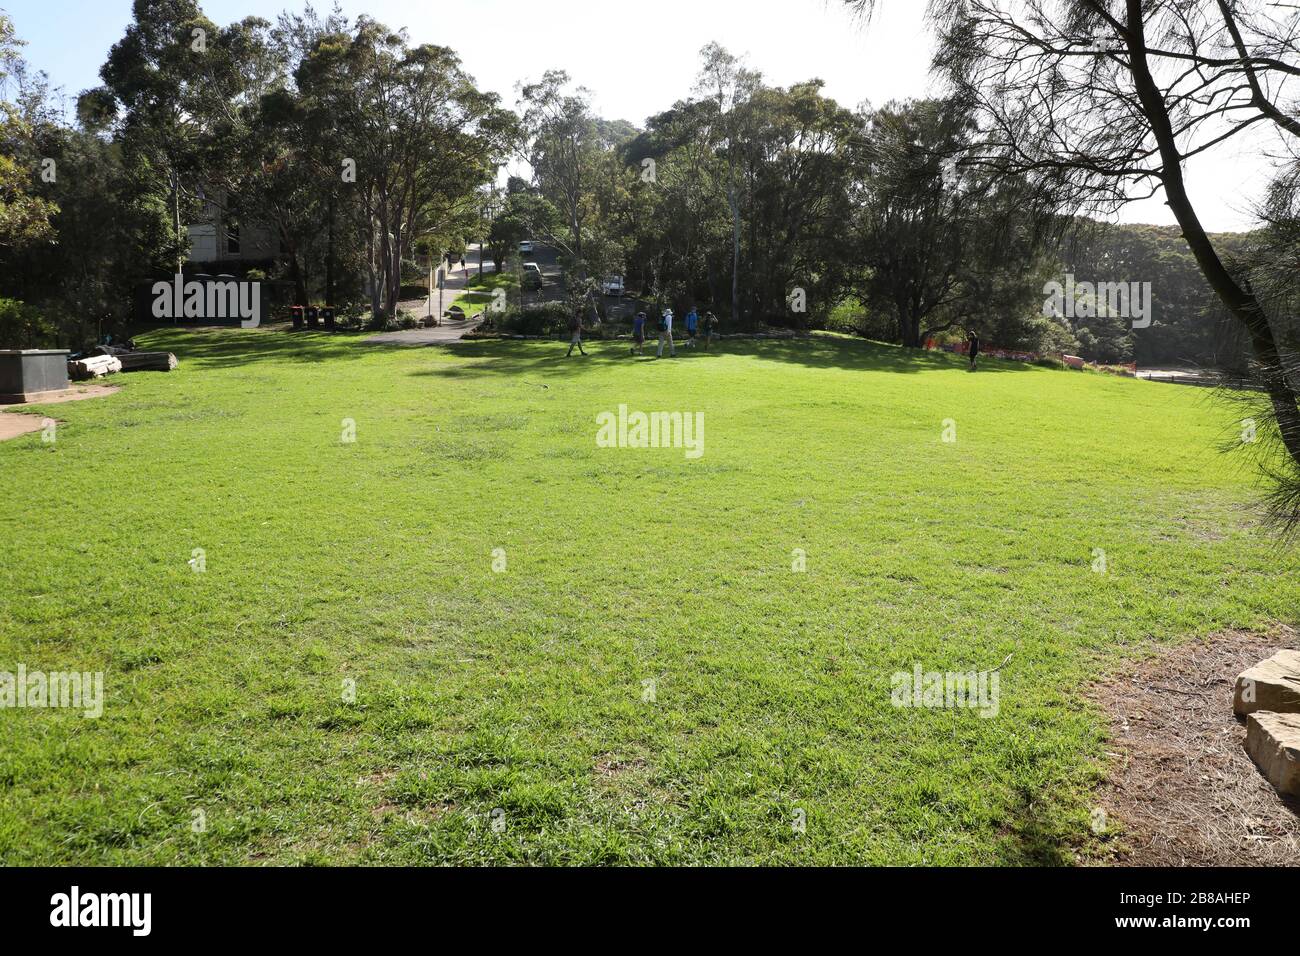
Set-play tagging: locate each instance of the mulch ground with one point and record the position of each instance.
(1179, 780)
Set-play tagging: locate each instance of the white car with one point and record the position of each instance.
(613, 285)
(526, 247)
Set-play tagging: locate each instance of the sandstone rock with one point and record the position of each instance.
(1272, 685)
(1273, 742)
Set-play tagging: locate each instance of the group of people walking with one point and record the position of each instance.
(696, 328)
(707, 328)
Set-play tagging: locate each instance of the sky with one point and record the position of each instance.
(637, 57)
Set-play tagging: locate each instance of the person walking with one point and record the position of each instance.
(638, 334)
(973, 343)
(666, 335)
(692, 325)
(710, 328)
(575, 334)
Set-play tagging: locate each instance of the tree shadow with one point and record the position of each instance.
(226, 348)
(1033, 834)
(508, 357)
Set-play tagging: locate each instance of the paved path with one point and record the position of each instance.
(457, 281)
(438, 335)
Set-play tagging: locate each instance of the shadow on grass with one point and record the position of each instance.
(1033, 835)
(226, 348)
(505, 357)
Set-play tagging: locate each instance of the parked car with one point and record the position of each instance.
(613, 285)
(533, 276)
(526, 247)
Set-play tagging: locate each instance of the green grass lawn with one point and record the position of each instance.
(477, 296)
(372, 562)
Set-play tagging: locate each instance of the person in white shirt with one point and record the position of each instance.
(666, 335)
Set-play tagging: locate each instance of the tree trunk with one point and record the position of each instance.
(1243, 305)
(372, 276)
(176, 220)
(329, 257)
(735, 249)
(295, 273)
(909, 329)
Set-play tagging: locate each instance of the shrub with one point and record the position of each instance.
(23, 327)
(540, 319)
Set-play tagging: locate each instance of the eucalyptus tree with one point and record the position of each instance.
(562, 143)
(24, 215)
(795, 167)
(416, 139)
(749, 198)
(167, 100)
(728, 85)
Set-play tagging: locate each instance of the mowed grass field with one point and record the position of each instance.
(350, 681)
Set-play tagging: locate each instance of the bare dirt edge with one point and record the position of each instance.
(1179, 786)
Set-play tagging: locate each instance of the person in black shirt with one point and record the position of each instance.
(973, 341)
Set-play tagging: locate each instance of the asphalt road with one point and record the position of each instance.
(547, 259)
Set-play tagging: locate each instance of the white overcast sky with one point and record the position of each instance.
(637, 57)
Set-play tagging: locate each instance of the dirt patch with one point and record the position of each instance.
(1179, 781)
(608, 765)
(15, 423)
(11, 426)
(74, 394)
(377, 778)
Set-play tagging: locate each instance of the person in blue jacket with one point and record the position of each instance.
(692, 325)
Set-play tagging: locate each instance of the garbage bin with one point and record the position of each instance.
(313, 317)
(327, 314)
(296, 312)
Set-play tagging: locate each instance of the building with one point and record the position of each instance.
(221, 242)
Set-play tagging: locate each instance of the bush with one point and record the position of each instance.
(534, 319)
(848, 316)
(23, 327)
